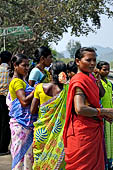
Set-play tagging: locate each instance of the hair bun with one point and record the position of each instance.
(36, 54)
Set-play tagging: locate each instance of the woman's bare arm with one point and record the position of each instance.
(24, 100)
(82, 109)
(34, 106)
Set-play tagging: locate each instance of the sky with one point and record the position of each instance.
(103, 37)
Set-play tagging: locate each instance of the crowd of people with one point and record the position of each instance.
(56, 116)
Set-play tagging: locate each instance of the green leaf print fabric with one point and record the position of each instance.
(48, 145)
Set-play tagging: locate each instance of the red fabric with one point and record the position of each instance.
(83, 135)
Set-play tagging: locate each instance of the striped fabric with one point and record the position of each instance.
(21, 146)
(61, 158)
(4, 79)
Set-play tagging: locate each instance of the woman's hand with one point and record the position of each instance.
(35, 85)
(108, 119)
(107, 112)
(24, 100)
(97, 74)
(98, 82)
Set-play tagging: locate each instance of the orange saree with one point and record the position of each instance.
(83, 135)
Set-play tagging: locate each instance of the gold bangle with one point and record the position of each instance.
(99, 111)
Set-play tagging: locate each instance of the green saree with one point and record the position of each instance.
(48, 145)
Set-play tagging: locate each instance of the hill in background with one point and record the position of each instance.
(104, 53)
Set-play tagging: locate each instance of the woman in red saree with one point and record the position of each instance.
(83, 131)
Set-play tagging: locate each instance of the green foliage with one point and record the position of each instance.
(56, 55)
(54, 52)
(59, 55)
(49, 19)
(65, 60)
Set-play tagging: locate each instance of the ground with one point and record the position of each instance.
(5, 162)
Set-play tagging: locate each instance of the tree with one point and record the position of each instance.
(60, 55)
(72, 47)
(56, 54)
(49, 19)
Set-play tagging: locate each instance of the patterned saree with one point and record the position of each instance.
(48, 145)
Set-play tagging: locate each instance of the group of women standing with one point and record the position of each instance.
(48, 119)
(63, 126)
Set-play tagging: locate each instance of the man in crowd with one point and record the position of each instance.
(4, 117)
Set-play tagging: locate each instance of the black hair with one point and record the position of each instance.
(42, 51)
(101, 63)
(56, 68)
(72, 67)
(16, 59)
(5, 56)
(80, 52)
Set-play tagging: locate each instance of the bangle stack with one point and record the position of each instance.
(99, 111)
